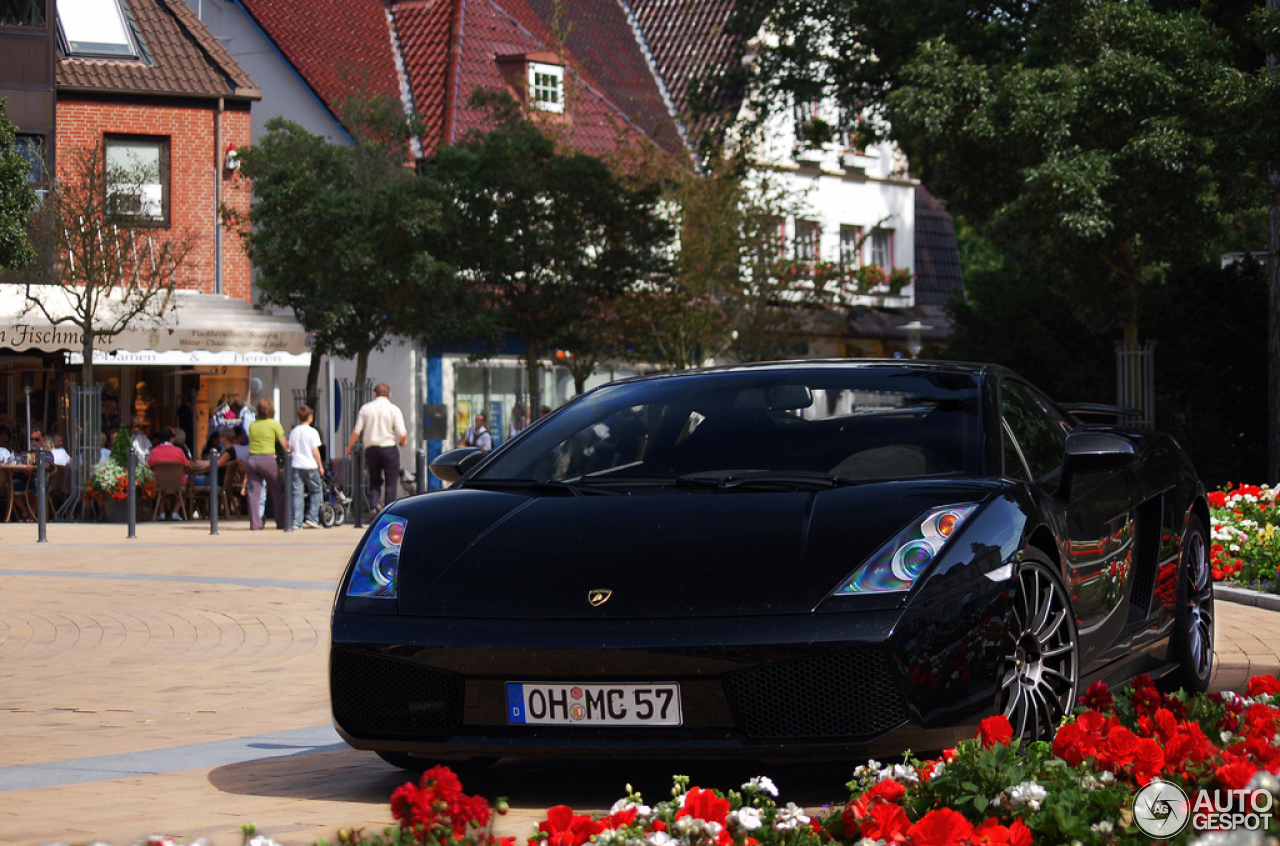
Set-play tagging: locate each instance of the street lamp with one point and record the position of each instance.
(914, 342)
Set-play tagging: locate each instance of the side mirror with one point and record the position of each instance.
(1094, 452)
(451, 465)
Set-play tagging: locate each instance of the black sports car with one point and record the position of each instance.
(816, 559)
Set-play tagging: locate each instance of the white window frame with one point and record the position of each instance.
(808, 240)
(882, 247)
(96, 28)
(850, 246)
(546, 87)
(151, 190)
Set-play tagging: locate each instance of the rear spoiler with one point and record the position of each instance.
(1093, 409)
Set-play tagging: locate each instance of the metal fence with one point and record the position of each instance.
(1135, 380)
(84, 441)
(354, 395)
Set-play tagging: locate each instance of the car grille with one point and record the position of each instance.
(845, 694)
(375, 696)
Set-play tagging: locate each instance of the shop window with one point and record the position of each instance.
(138, 175)
(96, 28)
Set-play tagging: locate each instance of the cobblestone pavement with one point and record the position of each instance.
(175, 683)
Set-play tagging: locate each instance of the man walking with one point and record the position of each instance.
(304, 443)
(381, 424)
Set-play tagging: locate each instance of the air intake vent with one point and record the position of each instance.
(844, 695)
(381, 697)
(1146, 558)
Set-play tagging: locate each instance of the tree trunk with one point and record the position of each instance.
(86, 365)
(535, 386)
(313, 377)
(362, 367)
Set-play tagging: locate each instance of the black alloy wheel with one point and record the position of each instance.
(1192, 645)
(1042, 666)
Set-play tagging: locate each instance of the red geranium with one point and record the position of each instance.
(704, 805)
(995, 730)
(565, 828)
(941, 827)
(887, 822)
(1263, 685)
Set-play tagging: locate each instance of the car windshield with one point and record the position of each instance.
(845, 423)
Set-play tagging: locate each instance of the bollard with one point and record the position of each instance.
(42, 485)
(421, 468)
(214, 500)
(133, 492)
(358, 500)
(288, 490)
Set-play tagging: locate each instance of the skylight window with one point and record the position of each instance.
(96, 28)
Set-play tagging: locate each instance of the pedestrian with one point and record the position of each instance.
(304, 445)
(519, 420)
(380, 424)
(263, 472)
(478, 436)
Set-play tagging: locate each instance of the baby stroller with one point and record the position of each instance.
(334, 506)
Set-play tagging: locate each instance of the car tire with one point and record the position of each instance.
(1192, 643)
(327, 516)
(1042, 665)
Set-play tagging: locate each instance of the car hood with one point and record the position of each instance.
(473, 553)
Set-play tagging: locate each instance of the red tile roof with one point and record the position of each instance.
(340, 47)
(690, 44)
(184, 60)
(424, 28)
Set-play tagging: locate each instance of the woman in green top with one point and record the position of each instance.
(264, 434)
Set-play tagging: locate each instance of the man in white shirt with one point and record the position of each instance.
(381, 424)
(478, 436)
(304, 446)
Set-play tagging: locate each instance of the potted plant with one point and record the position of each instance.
(109, 480)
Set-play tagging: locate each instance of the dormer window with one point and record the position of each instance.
(546, 87)
(96, 28)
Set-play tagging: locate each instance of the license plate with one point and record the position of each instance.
(537, 703)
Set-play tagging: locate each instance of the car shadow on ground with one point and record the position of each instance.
(590, 785)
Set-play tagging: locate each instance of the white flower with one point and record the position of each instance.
(904, 773)
(762, 784)
(1028, 793)
(790, 818)
(746, 818)
(658, 838)
(1104, 828)
(624, 804)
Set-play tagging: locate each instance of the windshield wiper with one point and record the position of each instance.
(765, 480)
(543, 486)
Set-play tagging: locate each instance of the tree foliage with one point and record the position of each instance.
(544, 234)
(16, 199)
(350, 239)
(105, 269)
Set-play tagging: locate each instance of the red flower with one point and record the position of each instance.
(565, 828)
(1260, 685)
(443, 782)
(1019, 834)
(941, 827)
(887, 822)
(889, 790)
(411, 806)
(1236, 774)
(1098, 697)
(621, 819)
(1217, 499)
(995, 730)
(1148, 761)
(990, 833)
(1118, 750)
(704, 805)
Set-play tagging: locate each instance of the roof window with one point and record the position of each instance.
(546, 87)
(96, 28)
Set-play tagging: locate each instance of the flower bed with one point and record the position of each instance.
(1246, 542)
(989, 791)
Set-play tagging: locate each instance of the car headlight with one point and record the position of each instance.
(379, 561)
(895, 566)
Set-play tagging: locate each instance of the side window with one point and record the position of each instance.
(1039, 430)
(1014, 467)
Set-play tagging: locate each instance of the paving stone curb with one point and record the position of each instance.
(1244, 596)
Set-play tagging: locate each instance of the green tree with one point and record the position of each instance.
(108, 268)
(17, 199)
(348, 237)
(547, 234)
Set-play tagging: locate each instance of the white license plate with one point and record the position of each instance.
(656, 704)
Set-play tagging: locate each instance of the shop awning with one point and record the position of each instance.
(198, 329)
